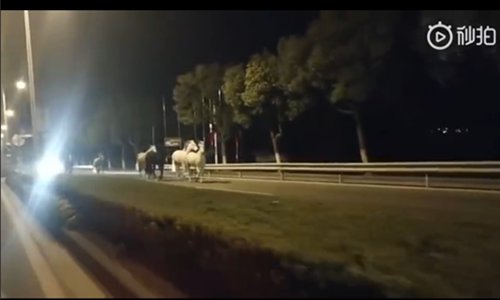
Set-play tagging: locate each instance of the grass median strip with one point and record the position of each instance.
(433, 252)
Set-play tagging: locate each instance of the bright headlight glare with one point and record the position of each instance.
(50, 166)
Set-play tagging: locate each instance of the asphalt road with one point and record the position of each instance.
(18, 278)
(417, 181)
(375, 179)
(444, 203)
(33, 263)
(461, 200)
(416, 197)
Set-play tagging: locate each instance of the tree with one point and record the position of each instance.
(275, 86)
(233, 88)
(188, 103)
(350, 49)
(98, 130)
(198, 99)
(263, 95)
(132, 118)
(223, 116)
(209, 79)
(294, 75)
(119, 121)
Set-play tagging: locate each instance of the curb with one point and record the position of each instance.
(120, 274)
(49, 260)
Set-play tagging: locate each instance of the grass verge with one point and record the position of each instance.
(226, 244)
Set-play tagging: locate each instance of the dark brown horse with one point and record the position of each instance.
(155, 158)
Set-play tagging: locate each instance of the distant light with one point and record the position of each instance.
(458, 130)
(21, 85)
(4, 127)
(49, 167)
(2, 135)
(9, 113)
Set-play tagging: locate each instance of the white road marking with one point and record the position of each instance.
(69, 275)
(363, 185)
(234, 191)
(108, 263)
(198, 187)
(383, 186)
(41, 268)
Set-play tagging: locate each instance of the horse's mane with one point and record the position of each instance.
(150, 149)
(193, 150)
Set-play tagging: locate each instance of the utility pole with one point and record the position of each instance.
(164, 119)
(178, 127)
(216, 143)
(153, 134)
(31, 85)
(5, 122)
(203, 117)
(195, 130)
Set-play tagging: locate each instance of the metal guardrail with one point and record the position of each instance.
(424, 170)
(388, 168)
(490, 164)
(393, 172)
(482, 167)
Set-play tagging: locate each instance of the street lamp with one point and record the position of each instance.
(21, 85)
(31, 81)
(9, 113)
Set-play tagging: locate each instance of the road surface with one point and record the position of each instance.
(492, 184)
(33, 264)
(439, 198)
(18, 277)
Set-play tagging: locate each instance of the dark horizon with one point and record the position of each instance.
(89, 55)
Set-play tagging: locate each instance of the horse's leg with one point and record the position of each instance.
(200, 174)
(162, 166)
(182, 172)
(151, 171)
(187, 170)
(176, 168)
(197, 173)
(187, 174)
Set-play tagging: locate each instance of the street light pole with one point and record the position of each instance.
(4, 113)
(178, 127)
(153, 135)
(203, 117)
(31, 85)
(164, 120)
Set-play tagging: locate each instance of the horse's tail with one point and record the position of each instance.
(174, 168)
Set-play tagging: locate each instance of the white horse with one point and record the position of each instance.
(98, 164)
(196, 160)
(179, 157)
(140, 164)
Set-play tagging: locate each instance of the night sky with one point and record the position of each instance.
(83, 55)
(80, 54)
